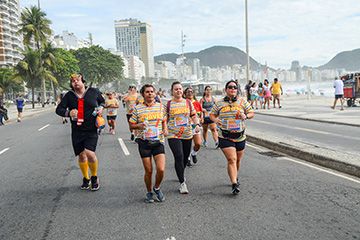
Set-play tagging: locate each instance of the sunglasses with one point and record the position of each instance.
(232, 87)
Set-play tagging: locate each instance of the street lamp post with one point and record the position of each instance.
(183, 36)
(247, 43)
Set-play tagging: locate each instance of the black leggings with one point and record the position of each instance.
(181, 150)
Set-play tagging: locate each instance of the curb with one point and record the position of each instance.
(307, 156)
(310, 119)
(13, 120)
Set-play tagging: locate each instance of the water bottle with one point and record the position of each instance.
(94, 113)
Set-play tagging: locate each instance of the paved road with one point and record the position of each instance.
(323, 135)
(281, 198)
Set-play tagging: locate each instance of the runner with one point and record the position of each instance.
(230, 114)
(130, 101)
(180, 112)
(20, 102)
(79, 104)
(111, 104)
(150, 119)
(189, 94)
(207, 102)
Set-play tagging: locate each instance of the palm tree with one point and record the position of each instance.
(7, 82)
(35, 26)
(30, 70)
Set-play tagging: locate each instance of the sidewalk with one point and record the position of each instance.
(28, 111)
(316, 109)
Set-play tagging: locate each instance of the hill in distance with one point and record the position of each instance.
(216, 56)
(350, 60)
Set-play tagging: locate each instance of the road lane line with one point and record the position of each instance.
(2, 151)
(43, 127)
(309, 165)
(308, 130)
(123, 146)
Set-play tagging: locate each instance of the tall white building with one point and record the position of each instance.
(136, 68)
(10, 41)
(68, 40)
(134, 38)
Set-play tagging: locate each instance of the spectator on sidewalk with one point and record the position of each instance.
(20, 102)
(267, 94)
(276, 91)
(339, 93)
(3, 114)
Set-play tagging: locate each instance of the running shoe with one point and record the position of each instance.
(86, 184)
(132, 137)
(189, 164)
(159, 195)
(95, 185)
(194, 159)
(235, 189)
(183, 188)
(204, 143)
(149, 197)
(217, 145)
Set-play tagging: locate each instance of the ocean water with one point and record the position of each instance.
(316, 88)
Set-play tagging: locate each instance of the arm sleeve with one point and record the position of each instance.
(62, 107)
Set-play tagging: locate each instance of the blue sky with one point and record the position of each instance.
(310, 31)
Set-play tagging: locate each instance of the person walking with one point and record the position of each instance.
(261, 95)
(189, 94)
(79, 104)
(339, 93)
(254, 95)
(130, 102)
(267, 94)
(207, 102)
(3, 114)
(20, 103)
(149, 118)
(230, 114)
(276, 91)
(111, 105)
(180, 113)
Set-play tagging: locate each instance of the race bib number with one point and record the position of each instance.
(111, 111)
(181, 121)
(151, 133)
(233, 124)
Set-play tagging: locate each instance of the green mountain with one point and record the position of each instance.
(216, 56)
(350, 60)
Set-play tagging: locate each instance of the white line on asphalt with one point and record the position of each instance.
(308, 130)
(2, 151)
(43, 127)
(310, 165)
(123, 146)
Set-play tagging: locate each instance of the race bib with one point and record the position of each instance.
(233, 124)
(111, 111)
(151, 133)
(181, 121)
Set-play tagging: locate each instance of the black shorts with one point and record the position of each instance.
(19, 110)
(224, 143)
(207, 120)
(338, 96)
(128, 116)
(111, 117)
(82, 140)
(147, 151)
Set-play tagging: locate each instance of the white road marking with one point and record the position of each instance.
(2, 151)
(332, 172)
(307, 130)
(43, 127)
(123, 146)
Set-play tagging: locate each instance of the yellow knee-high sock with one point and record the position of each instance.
(93, 167)
(84, 167)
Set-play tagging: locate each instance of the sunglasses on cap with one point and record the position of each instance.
(232, 87)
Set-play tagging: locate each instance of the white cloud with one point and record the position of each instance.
(311, 31)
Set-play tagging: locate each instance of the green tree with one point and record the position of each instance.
(7, 82)
(99, 65)
(30, 70)
(35, 26)
(65, 66)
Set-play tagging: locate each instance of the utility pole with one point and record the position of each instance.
(247, 43)
(42, 80)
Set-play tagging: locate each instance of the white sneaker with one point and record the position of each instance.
(183, 188)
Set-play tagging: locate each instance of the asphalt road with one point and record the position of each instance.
(323, 135)
(280, 198)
